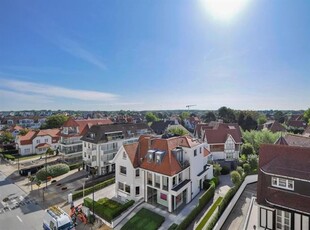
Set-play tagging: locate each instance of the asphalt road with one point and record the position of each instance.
(17, 210)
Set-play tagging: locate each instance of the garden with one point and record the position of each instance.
(144, 220)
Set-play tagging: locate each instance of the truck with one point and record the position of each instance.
(57, 219)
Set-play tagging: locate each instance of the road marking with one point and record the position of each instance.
(19, 219)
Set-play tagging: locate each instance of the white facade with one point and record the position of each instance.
(99, 155)
(230, 150)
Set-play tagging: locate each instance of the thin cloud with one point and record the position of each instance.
(55, 91)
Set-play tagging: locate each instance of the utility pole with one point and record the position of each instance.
(46, 170)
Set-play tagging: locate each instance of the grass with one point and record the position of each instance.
(22, 158)
(107, 203)
(144, 220)
(209, 213)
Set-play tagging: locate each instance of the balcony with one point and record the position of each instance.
(70, 141)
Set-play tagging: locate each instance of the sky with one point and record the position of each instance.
(154, 55)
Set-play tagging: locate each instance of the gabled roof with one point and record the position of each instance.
(274, 126)
(297, 140)
(281, 141)
(285, 161)
(84, 125)
(49, 132)
(169, 165)
(27, 139)
(220, 132)
(297, 124)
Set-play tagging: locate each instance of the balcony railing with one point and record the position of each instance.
(70, 142)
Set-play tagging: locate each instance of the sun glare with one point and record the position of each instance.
(224, 9)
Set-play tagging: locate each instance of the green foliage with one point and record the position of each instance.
(279, 116)
(225, 170)
(106, 208)
(144, 220)
(246, 121)
(23, 132)
(208, 183)
(247, 168)
(177, 131)
(79, 194)
(209, 213)
(52, 170)
(184, 115)
(75, 166)
(235, 177)
(204, 199)
(256, 138)
(307, 116)
(240, 170)
(227, 115)
(9, 157)
(247, 149)
(210, 116)
(6, 137)
(173, 226)
(55, 121)
(253, 161)
(49, 151)
(217, 170)
(262, 119)
(150, 117)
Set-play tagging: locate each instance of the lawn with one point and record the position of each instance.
(209, 213)
(144, 219)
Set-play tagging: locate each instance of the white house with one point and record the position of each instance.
(162, 171)
(101, 143)
(37, 142)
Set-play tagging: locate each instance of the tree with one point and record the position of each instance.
(246, 120)
(253, 161)
(184, 115)
(227, 115)
(23, 132)
(247, 149)
(177, 131)
(217, 170)
(150, 117)
(210, 116)
(7, 137)
(307, 116)
(235, 177)
(247, 168)
(55, 121)
(262, 119)
(279, 116)
(49, 151)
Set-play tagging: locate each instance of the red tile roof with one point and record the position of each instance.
(219, 133)
(286, 161)
(43, 145)
(297, 140)
(169, 165)
(27, 139)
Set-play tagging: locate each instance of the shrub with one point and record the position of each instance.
(9, 157)
(253, 161)
(225, 170)
(75, 166)
(53, 171)
(173, 226)
(235, 177)
(217, 170)
(247, 168)
(247, 149)
(106, 208)
(79, 194)
(240, 170)
(216, 180)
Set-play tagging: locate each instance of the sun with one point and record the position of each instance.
(224, 9)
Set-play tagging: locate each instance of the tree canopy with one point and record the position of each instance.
(247, 149)
(210, 116)
(307, 116)
(279, 116)
(150, 117)
(6, 137)
(177, 131)
(262, 119)
(227, 114)
(55, 121)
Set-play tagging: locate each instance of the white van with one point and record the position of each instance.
(57, 219)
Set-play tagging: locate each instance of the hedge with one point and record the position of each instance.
(204, 199)
(87, 191)
(225, 170)
(75, 166)
(209, 213)
(9, 157)
(207, 183)
(108, 209)
(53, 171)
(173, 226)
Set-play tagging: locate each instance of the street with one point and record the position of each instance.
(17, 210)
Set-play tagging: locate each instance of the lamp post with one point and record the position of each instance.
(46, 169)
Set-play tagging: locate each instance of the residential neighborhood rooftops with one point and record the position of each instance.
(219, 133)
(294, 140)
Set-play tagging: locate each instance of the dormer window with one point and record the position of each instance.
(282, 183)
(124, 155)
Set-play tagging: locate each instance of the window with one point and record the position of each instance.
(85, 144)
(137, 191)
(120, 186)
(127, 188)
(165, 183)
(46, 140)
(149, 178)
(173, 181)
(38, 141)
(94, 158)
(282, 183)
(266, 218)
(200, 150)
(84, 154)
(283, 220)
(195, 152)
(137, 172)
(122, 170)
(26, 151)
(124, 155)
(180, 177)
(157, 181)
(301, 222)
